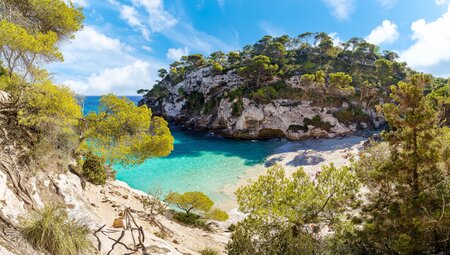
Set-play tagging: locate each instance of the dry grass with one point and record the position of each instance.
(209, 251)
(51, 229)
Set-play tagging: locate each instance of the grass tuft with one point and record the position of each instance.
(209, 251)
(51, 229)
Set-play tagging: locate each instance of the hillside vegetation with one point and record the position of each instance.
(347, 78)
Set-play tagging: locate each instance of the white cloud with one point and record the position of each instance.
(151, 14)
(389, 3)
(336, 39)
(80, 2)
(97, 64)
(341, 9)
(441, 2)
(385, 33)
(271, 29)
(89, 51)
(131, 16)
(186, 34)
(176, 54)
(431, 49)
(159, 19)
(124, 80)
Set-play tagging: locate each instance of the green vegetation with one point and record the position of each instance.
(209, 251)
(316, 121)
(329, 73)
(195, 102)
(408, 178)
(258, 70)
(51, 229)
(125, 134)
(351, 115)
(237, 107)
(404, 210)
(190, 201)
(285, 213)
(197, 202)
(94, 169)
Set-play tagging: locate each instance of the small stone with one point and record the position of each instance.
(118, 223)
(125, 196)
(94, 205)
(175, 241)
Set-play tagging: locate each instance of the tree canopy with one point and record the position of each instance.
(121, 132)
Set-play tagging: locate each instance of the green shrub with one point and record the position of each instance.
(217, 214)
(209, 106)
(231, 228)
(189, 219)
(94, 170)
(264, 94)
(316, 121)
(195, 101)
(217, 68)
(159, 92)
(237, 107)
(181, 92)
(51, 229)
(209, 251)
(235, 93)
(351, 115)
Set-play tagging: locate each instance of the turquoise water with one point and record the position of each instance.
(199, 162)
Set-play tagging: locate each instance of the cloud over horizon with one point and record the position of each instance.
(385, 33)
(431, 48)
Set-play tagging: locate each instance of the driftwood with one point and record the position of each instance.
(132, 227)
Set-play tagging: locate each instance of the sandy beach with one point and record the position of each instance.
(310, 154)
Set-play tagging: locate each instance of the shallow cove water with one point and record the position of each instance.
(199, 162)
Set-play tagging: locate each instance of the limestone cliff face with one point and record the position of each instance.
(279, 118)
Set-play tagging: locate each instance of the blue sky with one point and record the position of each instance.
(124, 42)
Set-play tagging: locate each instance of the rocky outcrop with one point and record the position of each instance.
(251, 119)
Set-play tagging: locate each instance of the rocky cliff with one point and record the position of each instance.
(204, 101)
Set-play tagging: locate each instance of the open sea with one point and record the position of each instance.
(199, 162)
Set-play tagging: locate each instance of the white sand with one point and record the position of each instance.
(311, 155)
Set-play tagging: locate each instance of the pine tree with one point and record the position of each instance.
(407, 209)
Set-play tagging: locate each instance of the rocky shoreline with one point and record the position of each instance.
(278, 118)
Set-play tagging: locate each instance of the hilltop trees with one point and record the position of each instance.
(330, 73)
(258, 70)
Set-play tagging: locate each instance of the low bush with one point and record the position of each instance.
(51, 229)
(94, 170)
(351, 115)
(264, 94)
(316, 121)
(191, 219)
(209, 251)
(237, 107)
